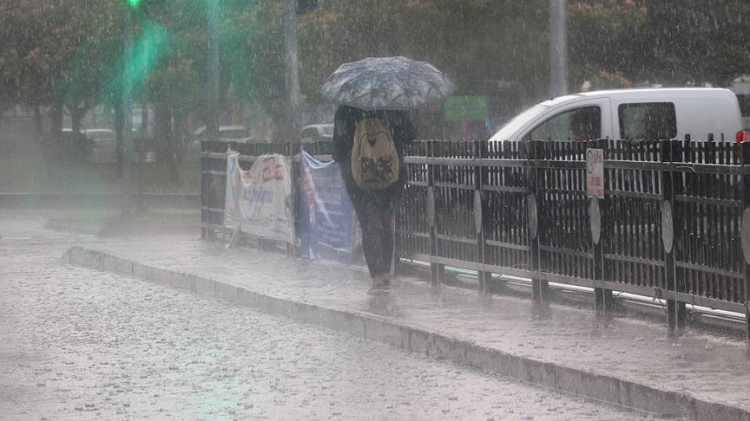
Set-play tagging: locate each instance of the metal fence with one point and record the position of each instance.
(669, 226)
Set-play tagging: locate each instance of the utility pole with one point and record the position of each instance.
(558, 52)
(214, 83)
(292, 65)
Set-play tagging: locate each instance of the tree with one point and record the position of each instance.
(57, 53)
(176, 79)
(673, 42)
(473, 41)
(258, 72)
(622, 52)
(84, 77)
(9, 55)
(696, 41)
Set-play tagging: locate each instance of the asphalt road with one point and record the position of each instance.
(78, 344)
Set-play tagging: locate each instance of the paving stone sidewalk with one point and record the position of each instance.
(700, 365)
(78, 344)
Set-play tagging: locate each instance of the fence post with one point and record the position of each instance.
(204, 189)
(535, 154)
(603, 300)
(676, 311)
(291, 154)
(437, 270)
(480, 179)
(745, 231)
(207, 194)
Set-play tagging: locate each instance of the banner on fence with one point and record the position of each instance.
(259, 200)
(331, 230)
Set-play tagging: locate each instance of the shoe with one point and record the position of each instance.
(378, 291)
(380, 285)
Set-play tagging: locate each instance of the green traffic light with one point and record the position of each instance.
(134, 3)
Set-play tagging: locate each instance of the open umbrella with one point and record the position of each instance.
(386, 83)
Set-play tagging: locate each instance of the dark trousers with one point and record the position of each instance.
(376, 212)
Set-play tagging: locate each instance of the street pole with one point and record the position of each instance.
(212, 125)
(125, 116)
(292, 65)
(558, 47)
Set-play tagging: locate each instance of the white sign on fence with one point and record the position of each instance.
(595, 172)
(259, 201)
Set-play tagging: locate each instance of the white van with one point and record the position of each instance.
(629, 114)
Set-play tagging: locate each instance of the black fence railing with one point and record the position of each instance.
(670, 224)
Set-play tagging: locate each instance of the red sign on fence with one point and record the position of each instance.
(595, 173)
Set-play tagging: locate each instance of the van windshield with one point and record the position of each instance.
(506, 133)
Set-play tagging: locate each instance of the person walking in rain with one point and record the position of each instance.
(368, 145)
(371, 127)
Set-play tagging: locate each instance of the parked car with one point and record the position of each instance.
(233, 133)
(629, 114)
(75, 146)
(316, 133)
(100, 145)
(103, 147)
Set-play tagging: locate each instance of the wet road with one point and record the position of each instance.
(78, 344)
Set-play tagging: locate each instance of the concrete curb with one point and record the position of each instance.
(32, 200)
(583, 383)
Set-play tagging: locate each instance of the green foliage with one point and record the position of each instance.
(607, 42)
(252, 49)
(58, 52)
(673, 42)
(136, 68)
(697, 40)
(473, 41)
(71, 52)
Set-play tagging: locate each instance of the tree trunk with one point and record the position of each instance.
(47, 148)
(558, 48)
(282, 130)
(163, 127)
(38, 124)
(56, 120)
(181, 134)
(165, 140)
(57, 144)
(76, 116)
(144, 120)
(120, 139)
(214, 74)
(174, 175)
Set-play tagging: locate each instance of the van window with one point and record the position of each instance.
(647, 121)
(744, 101)
(583, 123)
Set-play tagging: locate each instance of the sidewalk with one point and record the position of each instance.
(628, 362)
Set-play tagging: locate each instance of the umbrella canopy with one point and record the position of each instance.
(387, 83)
